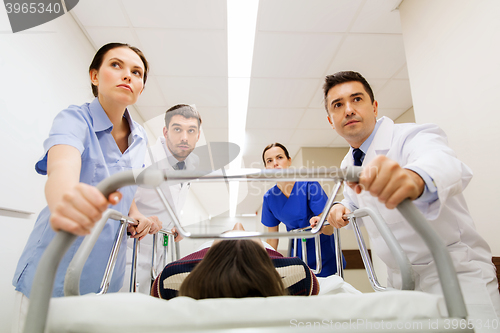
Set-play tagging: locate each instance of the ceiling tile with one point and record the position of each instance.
(157, 123)
(311, 15)
(151, 95)
(185, 14)
(252, 155)
(273, 118)
(281, 93)
(184, 52)
(312, 137)
(395, 94)
(215, 135)
(202, 91)
(378, 17)
(265, 137)
(374, 56)
(315, 119)
(391, 113)
(299, 55)
(213, 117)
(102, 36)
(403, 73)
(98, 13)
(152, 114)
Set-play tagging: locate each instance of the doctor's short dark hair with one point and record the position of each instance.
(187, 111)
(343, 77)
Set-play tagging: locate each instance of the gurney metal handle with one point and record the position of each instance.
(47, 268)
(74, 271)
(407, 276)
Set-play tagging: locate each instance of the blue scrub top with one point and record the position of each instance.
(306, 200)
(88, 129)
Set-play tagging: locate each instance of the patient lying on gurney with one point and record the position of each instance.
(235, 268)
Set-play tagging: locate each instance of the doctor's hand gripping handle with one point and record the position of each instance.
(446, 271)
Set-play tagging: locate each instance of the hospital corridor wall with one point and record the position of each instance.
(452, 49)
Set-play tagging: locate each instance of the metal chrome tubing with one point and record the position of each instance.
(366, 258)
(110, 267)
(317, 249)
(133, 270)
(72, 278)
(407, 276)
(338, 253)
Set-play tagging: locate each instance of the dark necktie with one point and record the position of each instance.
(180, 165)
(357, 154)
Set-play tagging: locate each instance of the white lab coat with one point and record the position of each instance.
(425, 147)
(149, 203)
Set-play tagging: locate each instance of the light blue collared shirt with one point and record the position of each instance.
(430, 191)
(88, 129)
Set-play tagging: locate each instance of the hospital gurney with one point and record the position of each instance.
(121, 312)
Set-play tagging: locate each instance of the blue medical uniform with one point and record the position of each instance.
(306, 200)
(88, 129)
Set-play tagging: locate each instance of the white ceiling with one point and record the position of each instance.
(297, 43)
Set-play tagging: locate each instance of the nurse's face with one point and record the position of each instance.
(120, 77)
(275, 158)
(351, 112)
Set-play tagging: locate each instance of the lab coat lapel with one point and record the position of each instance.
(381, 142)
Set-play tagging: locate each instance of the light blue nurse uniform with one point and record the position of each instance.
(88, 129)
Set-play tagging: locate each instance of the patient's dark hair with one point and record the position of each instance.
(276, 144)
(343, 77)
(233, 268)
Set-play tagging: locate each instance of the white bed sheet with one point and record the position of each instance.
(123, 313)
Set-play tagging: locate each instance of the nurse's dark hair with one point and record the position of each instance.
(236, 269)
(343, 77)
(99, 58)
(276, 144)
(187, 111)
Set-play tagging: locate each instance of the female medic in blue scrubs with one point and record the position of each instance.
(294, 203)
(86, 144)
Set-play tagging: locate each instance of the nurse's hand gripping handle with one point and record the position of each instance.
(446, 271)
(47, 267)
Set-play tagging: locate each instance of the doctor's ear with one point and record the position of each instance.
(330, 121)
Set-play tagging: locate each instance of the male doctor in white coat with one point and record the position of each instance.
(409, 161)
(172, 151)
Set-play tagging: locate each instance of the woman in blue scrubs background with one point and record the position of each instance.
(294, 204)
